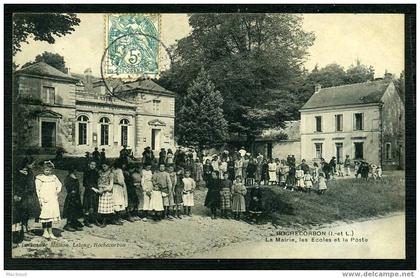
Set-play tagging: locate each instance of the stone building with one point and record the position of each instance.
(365, 121)
(280, 142)
(78, 112)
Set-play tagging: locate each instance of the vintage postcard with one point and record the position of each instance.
(231, 135)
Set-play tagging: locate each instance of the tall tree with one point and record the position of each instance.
(41, 27)
(200, 122)
(53, 59)
(359, 73)
(246, 56)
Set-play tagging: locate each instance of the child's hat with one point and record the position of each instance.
(48, 163)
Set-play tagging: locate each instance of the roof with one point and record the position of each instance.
(43, 69)
(291, 129)
(359, 93)
(143, 85)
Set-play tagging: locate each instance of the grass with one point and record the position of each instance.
(345, 199)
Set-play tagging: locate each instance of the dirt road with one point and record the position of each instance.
(382, 238)
(202, 237)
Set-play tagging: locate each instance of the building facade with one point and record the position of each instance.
(365, 121)
(81, 112)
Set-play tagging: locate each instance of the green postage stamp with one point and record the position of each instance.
(132, 46)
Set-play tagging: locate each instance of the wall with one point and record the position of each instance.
(370, 135)
(393, 115)
(29, 92)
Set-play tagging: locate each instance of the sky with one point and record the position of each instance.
(374, 39)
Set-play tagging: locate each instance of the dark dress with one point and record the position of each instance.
(264, 172)
(255, 204)
(291, 177)
(251, 170)
(179, 188)
(72, 205)
(231, 170)
(28, 207)
(90, 198)
(133, 199)
(213, 193)
(207, 170)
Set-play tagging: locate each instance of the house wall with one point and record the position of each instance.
(139, 112)
(393, 123)
(370, 135)
(29, 93)
(282, 149)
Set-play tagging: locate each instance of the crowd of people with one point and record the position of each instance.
(152, 188)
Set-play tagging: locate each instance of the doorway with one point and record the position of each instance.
(339, 152)
(155, 139)
(48, 134)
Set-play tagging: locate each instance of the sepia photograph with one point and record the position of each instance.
(208, 135)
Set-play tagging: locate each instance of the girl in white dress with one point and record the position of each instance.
(147, 187)
(119, 191)
(47, 188)
(272, 172)
(308, 182)
(188, 193)
(322, 183)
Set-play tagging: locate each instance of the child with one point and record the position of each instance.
(106, 200)
(239, 164)
(72, 205)
(283, 173)
(188, 193)
(356, 168)
(198, 172)
(223, 168)
(173, 177)
(47, 187)
(178, 190)
(90, 197)
(119, 191)
(300, 183)
(136, 179)
(225, 196)
(159, 180)
(272, 167)
(322, 184)
(340, 169)
(374, 171)
(25, 200)
(290, 181)
(255, 203)
(207, 170)
(213, 194)
(147, 188)
(162, 181)
(308, 182)
(379, 172)
(133, 200)
(238, 197)
(264, 172)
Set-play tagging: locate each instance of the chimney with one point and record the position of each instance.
(67, 71)
(318, 88)
(387, 76)
(88, 79)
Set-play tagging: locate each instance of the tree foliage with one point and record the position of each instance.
(249, 57)
(200, 122)
(41, 27)
(53, 59)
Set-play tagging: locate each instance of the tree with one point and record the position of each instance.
(359, 73)
(53, 59)
(328, 76)
(41, 27)
(246, 56)
(200, 122)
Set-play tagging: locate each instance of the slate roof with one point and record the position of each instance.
(144, 85)
(43, 69)
(359, 93)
